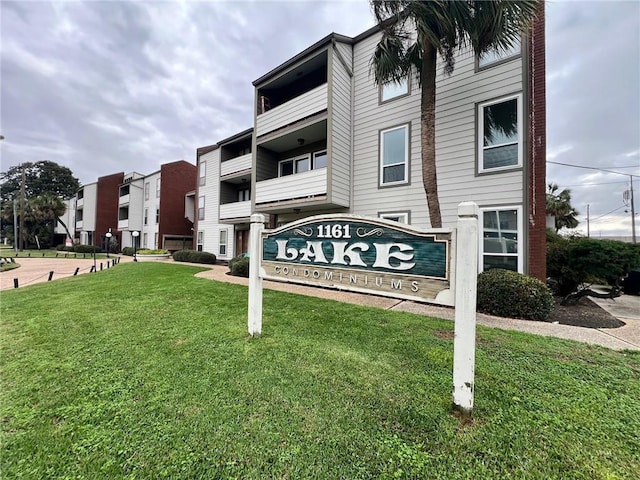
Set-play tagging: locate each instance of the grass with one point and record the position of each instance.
(144, 371)
(46, 253)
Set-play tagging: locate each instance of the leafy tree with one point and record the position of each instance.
(559, 207)
(442, 28)
(45, 185)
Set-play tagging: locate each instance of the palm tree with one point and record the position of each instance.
(559, 207)
(441, 28)
(47, 209)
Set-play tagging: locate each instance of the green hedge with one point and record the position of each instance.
(239, 266)
(128, 251)
(87, 249)
(193, 256)
(510, 294)
(64, 248)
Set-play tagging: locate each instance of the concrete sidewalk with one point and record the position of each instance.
(623, 338)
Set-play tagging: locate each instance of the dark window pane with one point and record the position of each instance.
(286, 168)
(500, 156)
(507, 263)
(501, 123)
(393, 174)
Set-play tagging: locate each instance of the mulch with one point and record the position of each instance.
(585, 313)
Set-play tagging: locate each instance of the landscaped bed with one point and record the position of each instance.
(144, 371)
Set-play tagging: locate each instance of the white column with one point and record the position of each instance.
(255, 281)
(464, 343)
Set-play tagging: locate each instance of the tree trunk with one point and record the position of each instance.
(428, 133)
(65, 227)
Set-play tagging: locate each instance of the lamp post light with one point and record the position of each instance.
(135, 234)
(108, 242)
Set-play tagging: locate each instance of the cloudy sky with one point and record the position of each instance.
(110, 86)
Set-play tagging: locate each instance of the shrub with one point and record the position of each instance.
(64, 248)
(87, 249)
(239, 266)
(572, 262)
(128, 251)
(148, 251)
(511, 294)
(194, 256)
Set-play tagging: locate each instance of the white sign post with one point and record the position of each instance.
(255, 279)
(464, 343)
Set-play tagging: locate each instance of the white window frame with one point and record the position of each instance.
(201, 205)
(491, 58)
(155, 240)
(222, 244)
(157, 216)
(381, 164)
(147, 187)
(480, 134)
(295, 161)
(146, 216)
(519, 232)
(315, 154)
(145, 240)
(200, 240)
(203, 173)
(244, 194)
(157, 188)
(403, 217)
(393, 90)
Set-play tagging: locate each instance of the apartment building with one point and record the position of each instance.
(327, 139)
(155, 205)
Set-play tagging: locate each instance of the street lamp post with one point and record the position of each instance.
(108, 242)
(135, 234)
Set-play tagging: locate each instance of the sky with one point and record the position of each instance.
(119, 86)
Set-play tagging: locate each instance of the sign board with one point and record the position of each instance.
(363, 255)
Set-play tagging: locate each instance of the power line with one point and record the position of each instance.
(593, 168)
(593, 184)
(608, 213)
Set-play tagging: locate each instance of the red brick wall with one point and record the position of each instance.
(107, 197)
(176, 179)
(537, 150)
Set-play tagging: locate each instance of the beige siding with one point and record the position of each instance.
(340, 134)
(300, 185)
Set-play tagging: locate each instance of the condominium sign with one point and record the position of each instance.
(358, 254)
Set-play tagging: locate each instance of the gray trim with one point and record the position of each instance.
(408, 167)
(526, 154)
(238, 136)
(330, 68)
(341, 59)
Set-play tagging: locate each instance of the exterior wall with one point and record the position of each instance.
(151, 228)
(176, 180)
(135, 201)
(69, 218)
(107, 205)
(339, 137)
(88, 204)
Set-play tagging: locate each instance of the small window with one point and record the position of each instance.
(145, 240)
(200, 208)
(124, 190)
(158, 188)
(223, 242)
(492, 56)
(146, 190)
(400, 217)
(80, 194)
(319, 160)
(200, 241)
(146, 216)
(123, 213)
(392, 90)
(155, 241)
(244, 195)
(203, 173)
(79, 215)
(294, 165)
(501, 242)
(157, 216)
(394, 156)
(500, 134)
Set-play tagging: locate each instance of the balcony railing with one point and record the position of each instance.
(235, 210)
(123, 224)
(79, 225)
(124, 199)
(300, 185)
(307, 104)
(235, 165)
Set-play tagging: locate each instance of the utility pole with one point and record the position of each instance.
(588, 221)
(633, 212)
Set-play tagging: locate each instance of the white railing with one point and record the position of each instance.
(124, 199)
(79, 225)
(234, 165)
(123, 224)
(235, 210)
(308, 103)
(300, 185)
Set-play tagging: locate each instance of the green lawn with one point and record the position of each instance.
(144, 371)
(46, 253)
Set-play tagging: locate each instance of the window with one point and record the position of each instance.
(123, 213)
(145, 240)
(155, 241)
(158, 188)
(146, 216)
(293, 165)
(492, 57)
(392, 90)
(200, 208)
(400, 217)
(394, 155)
(244, 195)
(223, 242)
(124, 190)
(200, 241)
(79, 215)
(319, 160)
(500, 134)
(157, 216)
(146, 191)
(80, 194)
(501, 241)
(203, 173)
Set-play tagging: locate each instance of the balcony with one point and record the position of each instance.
(79, 225)
(123, 224)
(300, 107)
(235, 210)
(235, 165)
(124, 199)
(299, 186)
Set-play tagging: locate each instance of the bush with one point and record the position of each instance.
(511, 294)
(148, 251)
(194, 256)
(64, 248)
(87, 249)
(239, 266)
(572, 262)
(128, 251)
